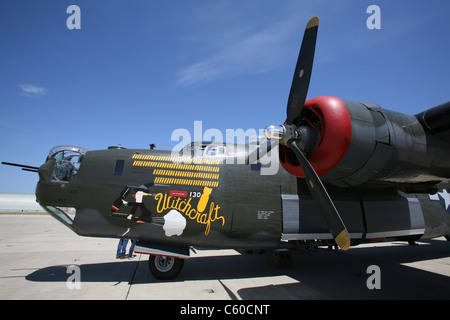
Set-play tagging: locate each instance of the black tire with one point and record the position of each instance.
(164, 267)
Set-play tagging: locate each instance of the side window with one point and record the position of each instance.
(215, 150)
(201, 151)
(118, 168)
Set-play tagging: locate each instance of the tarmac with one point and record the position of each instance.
(41, 259)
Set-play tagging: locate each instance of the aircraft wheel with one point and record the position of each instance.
(164, 267)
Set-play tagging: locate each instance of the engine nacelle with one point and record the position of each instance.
(360, 142)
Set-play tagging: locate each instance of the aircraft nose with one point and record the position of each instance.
(45, 171)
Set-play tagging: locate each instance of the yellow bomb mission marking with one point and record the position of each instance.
(166, 202)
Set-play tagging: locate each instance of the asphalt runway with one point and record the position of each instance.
(37, 251)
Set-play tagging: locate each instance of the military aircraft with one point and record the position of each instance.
(380, 175)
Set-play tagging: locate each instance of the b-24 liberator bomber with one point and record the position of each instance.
(351, 173)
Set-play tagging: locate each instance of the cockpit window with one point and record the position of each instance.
(201, 149)
(68, 160)
(215, 150)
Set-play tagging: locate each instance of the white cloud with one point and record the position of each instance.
(31, 90)
(199, 72)
(240, 46)
(255, 53)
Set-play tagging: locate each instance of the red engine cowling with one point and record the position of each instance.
(361, 142)
(335, 136)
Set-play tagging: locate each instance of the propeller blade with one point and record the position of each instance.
(320, 194)
(265, 146)
(302, 74)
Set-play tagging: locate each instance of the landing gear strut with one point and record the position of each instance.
(165, 267)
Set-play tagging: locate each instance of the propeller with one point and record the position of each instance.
(290, 135)
(303, 70)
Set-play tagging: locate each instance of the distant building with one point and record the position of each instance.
(19, 202)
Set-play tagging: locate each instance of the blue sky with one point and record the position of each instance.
(138, 70)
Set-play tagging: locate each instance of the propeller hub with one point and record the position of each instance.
(273, 132)
(283, 133)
